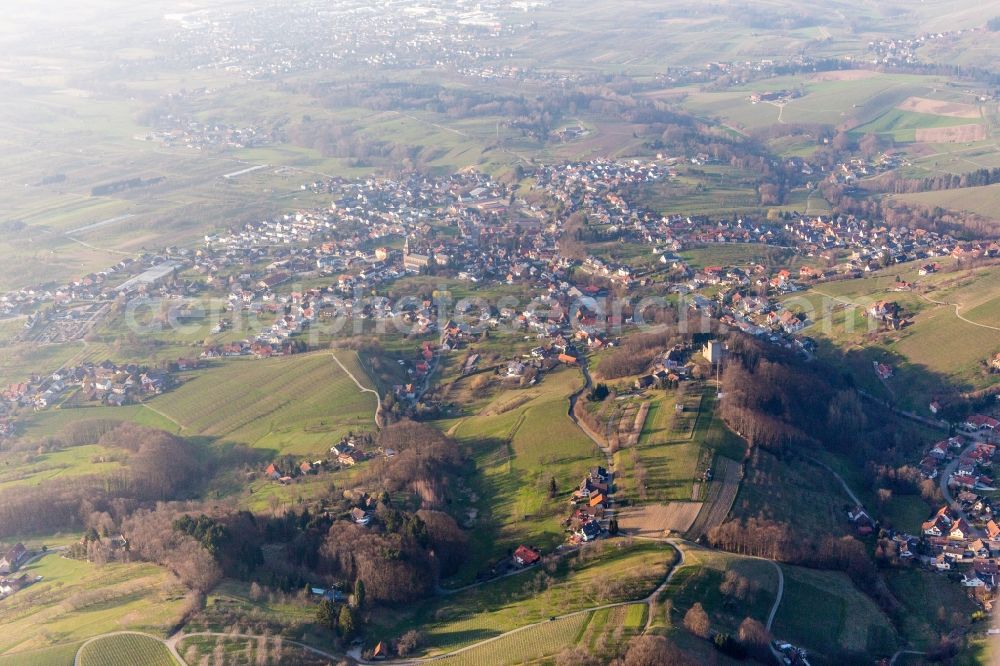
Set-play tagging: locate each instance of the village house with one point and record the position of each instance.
(13, 559)
(525, 556)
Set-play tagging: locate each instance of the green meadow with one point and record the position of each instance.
(517, 452)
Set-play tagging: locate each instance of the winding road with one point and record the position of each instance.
(678, 544)
(362, 388)
(777, 597)
(957, 313)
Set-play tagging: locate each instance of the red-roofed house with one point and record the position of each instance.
(525, 557)
(980, 422)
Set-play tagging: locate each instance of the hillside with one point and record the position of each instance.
(942, 352)
(984, 200)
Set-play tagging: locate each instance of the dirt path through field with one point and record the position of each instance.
(378, 398)
(957, 313)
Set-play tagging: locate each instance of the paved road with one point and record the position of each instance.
(946, 474)
(609, 511)
(774, 609)
(778, 596)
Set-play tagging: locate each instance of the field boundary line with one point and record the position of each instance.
(164, 415)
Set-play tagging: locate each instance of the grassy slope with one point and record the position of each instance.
(299, 404)
(476, 614)
(76, 600)
(984, 200)
(600, 632)
(923, 597)
(812, 599)
(699, 580)
(517, 452)
(850, 620)
(244, 652)
(57, 655)
(926, 356)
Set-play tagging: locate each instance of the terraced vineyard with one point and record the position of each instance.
(126, 650)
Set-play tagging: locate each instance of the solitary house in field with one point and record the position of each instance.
(525, 557)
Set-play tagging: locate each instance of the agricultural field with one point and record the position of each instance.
(701, 577)
(57, 655)
(517, 452)
(20, 360)
(535, 642)
(271, 404)
(125, 650)
(656, 520)
(925, 358)
(846, 98)
(76, 600)
(735, 254)
(247, 651)
(34, 468)
(908, 126)
(674, 448)
(50, 422)
(710, 190)
(851, 621)
(605, 572)
(983, 200)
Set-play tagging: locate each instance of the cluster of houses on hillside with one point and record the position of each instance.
(902, 51)
(963, 534)
(349, 451)
(106, 383)
(589, 501)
